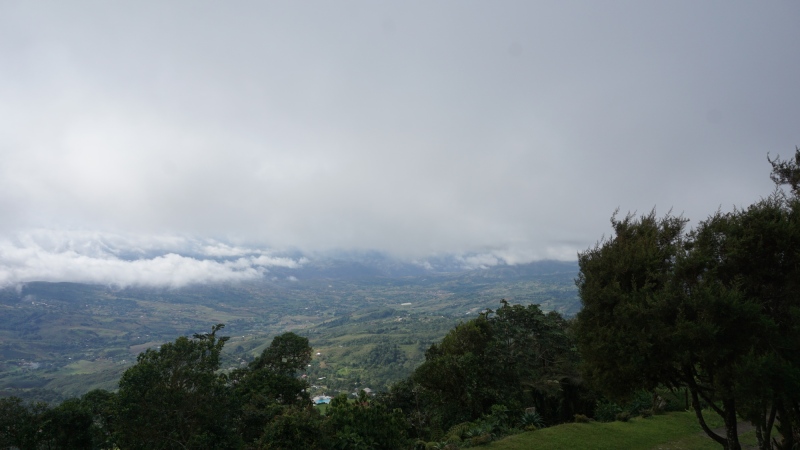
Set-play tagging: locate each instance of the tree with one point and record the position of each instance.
(648, 320)
(174, 398)
(363, 424)
(539, 361)
(268, 385)
(101, 404)
(627, 310)
(714, 310)
(787, 172)
(286, 355)
(457, 375)
(752, 253)
(68, 425)
(20, 424)
(516, 357)
(295, 428)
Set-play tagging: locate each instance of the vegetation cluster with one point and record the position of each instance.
(714, 310)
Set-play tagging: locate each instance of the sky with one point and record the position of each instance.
(169, 143)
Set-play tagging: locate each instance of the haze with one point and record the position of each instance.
(167, 143)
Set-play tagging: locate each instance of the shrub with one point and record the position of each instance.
(532, 419)
(641, 400)
(457, 431)
(480, 440)
(605, 411)
(580, 418)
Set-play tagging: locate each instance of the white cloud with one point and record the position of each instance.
(99, 259)
(482, 261)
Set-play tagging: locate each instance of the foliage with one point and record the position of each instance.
(627, 318)
(714, 310)
(640, 401)
(364, 424)
(174, 397)
(490, 369)
(101, 405)
(606, 411)
(269, 384)
(19, 424)
(534, 419)
(580, 418)
(623, 416)
(295, 428)
(68, 425)
(787, 172)
(285, 356)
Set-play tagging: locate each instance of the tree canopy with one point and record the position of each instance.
(516, 358)
(714, 310)
(174, 398)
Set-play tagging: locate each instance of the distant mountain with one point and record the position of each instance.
(368, 265)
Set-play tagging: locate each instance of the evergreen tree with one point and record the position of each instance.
(174, 398)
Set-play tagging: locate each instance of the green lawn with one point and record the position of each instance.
(671, 431)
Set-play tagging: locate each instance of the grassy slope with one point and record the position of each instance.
(671, 431)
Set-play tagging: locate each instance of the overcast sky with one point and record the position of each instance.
(139, 139)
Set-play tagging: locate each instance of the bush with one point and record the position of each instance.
(641, 400)
(606, 411)
(480, 440)
(580, 418)
(498, 419)
(532, 419)
(457, 431)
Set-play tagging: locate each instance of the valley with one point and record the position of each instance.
(369, 328)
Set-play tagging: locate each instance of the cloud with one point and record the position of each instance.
(100, 259)
(511, 132)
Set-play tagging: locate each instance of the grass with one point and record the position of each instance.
(83, 367)
(671, 431)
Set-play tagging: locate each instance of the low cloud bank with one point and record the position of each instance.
(173, 261)
(123, 261)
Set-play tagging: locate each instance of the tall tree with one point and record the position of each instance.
(517, 357)
(752, 253)
(364, 424)
(628, 310)
(715, 310)
(787, 171)
(639, 328)
(20, 423)
(174, 398)
(269, 385)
